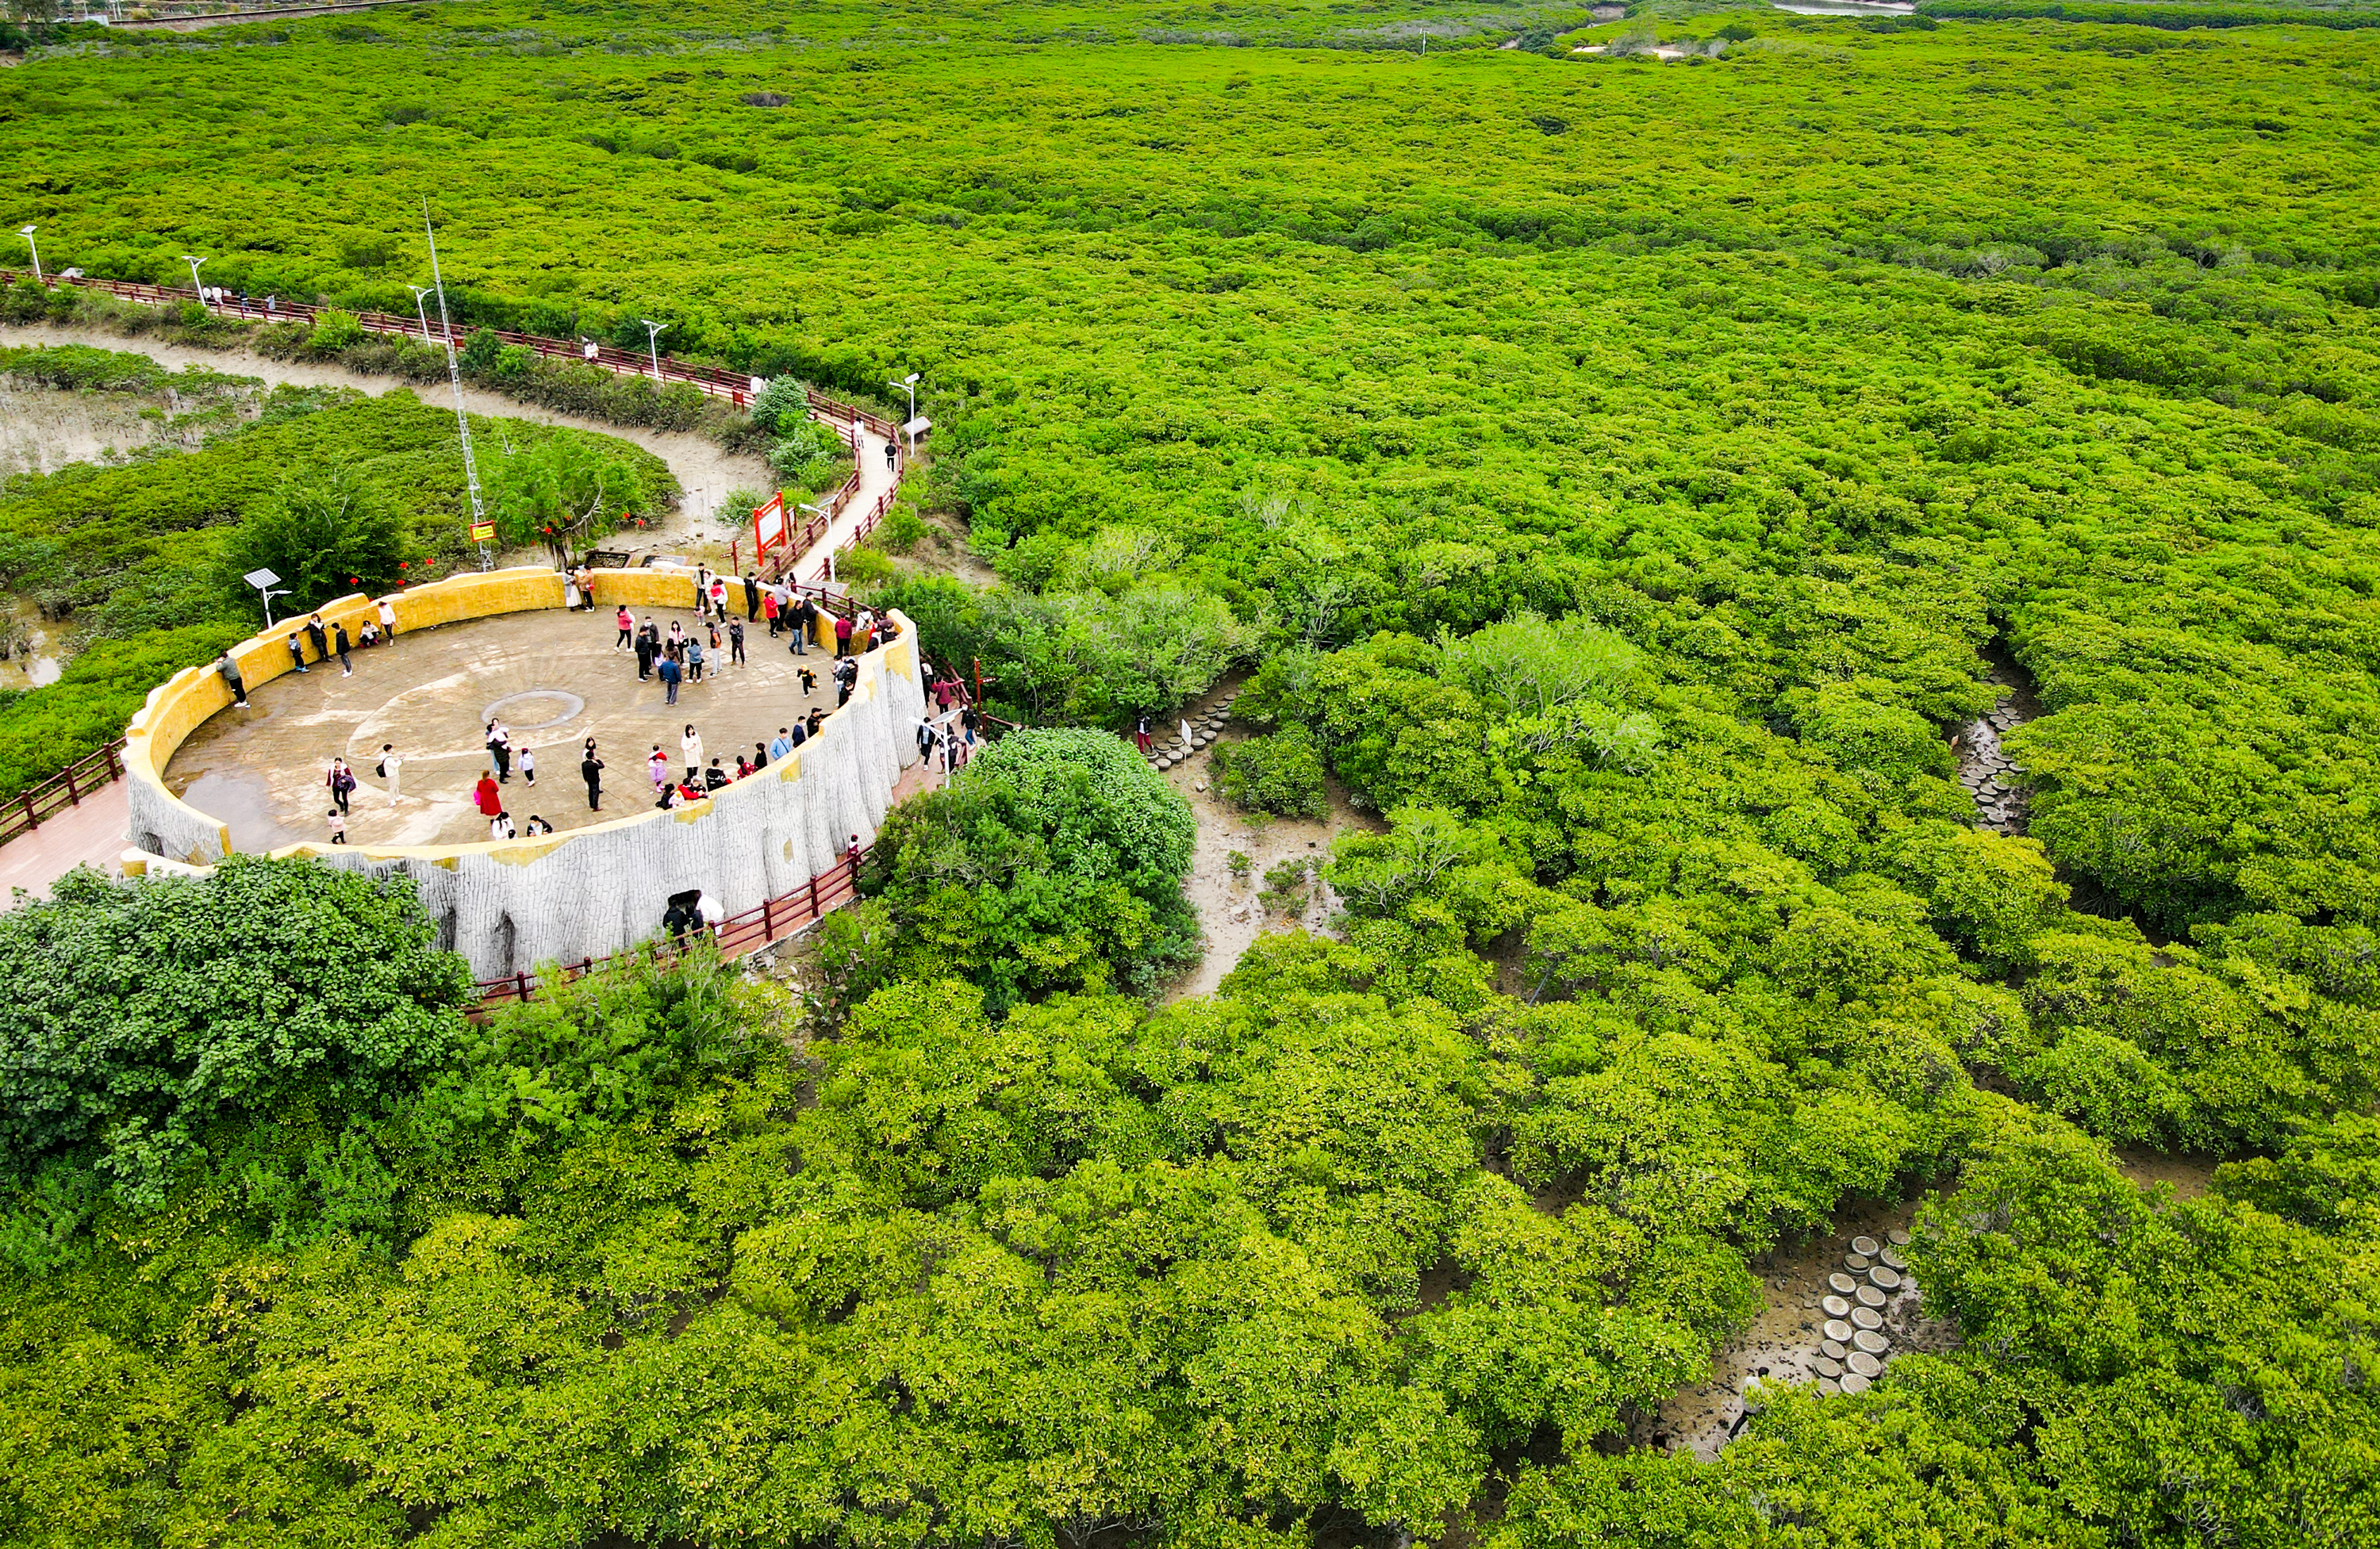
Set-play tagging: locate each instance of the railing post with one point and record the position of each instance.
(74, 797)
(31, 821)
(520, 987)
(814, 902)
(768, 919)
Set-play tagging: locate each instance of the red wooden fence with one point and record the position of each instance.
(67, 788)
(774, 920)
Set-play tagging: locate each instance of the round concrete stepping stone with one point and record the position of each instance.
(1832, 1349)
(1892, 1257)
(1836, 1306)
(1897, 1237)
(1869, 1295)
(1827, 1368)
(1867, 1245)
(1868, 1318)
(1830, 1386)
(1857, 1262)
(1843, 1284)
(1865, 1362)
(1838, 1331)
(1854, 1384)
(1869, 1342)
(1884, 1278)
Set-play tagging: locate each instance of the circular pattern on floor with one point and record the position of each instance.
(554, 705)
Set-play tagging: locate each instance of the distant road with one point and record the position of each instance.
(274, 13)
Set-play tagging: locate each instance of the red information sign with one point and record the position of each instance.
(769, 527)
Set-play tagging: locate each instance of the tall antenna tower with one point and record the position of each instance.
(455, 375)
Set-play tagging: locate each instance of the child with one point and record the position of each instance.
(529, 764)
(338, 821)
(810, 683)
(501, 826)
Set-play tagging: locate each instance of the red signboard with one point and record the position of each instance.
(769, 527)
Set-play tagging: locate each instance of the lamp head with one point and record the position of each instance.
(27, 231)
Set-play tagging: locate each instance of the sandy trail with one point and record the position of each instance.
(704, 470)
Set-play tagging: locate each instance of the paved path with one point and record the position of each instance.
(874, 479)
(92, 832)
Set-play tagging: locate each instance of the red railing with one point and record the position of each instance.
(774, 920)
(64, 789)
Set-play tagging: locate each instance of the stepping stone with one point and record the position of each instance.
(1867, 1319)
(1884, 1278)
(1870, 1298)
(1852, 1384)
(1827, 1368)
(1864, 1362)
(1843, 1284)
(1870, 1343)
(1856, 1262)
(1837, 1307)
(1838, 1331)
(1830, 1387)
(1832, 1349)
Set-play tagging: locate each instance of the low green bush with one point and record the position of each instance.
(1280, 773)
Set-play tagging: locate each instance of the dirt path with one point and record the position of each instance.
(704, 470)
(1230, 912)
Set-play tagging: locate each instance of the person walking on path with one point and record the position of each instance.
(735, 643)
(691, 746)
(342, 781)
(529, 764)
(297, 652)
(229, 669)
(627, 627)
(338, 822)
(319, 637)
(671, 674)
(339, 645)
(1140, 737)
(485, 796)
(499, 751)
(387, 619)
(842, 635)
(389, 767)
(591, 769)
(751, 596)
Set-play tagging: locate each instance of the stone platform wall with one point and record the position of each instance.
(510, 905)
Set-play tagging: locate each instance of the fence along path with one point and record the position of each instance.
(851, 511)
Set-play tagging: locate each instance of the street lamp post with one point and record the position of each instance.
(199, 289)
(27, 233)
(264, 581)
(420, 309)
(653, 332)
(455, 376)
(909, 384)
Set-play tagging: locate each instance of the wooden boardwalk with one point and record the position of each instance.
(93, 832)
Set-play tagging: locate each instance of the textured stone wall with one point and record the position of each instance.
(509, 906)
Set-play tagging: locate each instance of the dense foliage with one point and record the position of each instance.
(1618, 476)
(1056, 864)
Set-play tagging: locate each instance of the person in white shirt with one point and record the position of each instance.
(390, 766)
(387, 619)
(691, 746)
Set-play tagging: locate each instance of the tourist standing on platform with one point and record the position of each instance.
(320, 638)
(842, 635)
(529, 764)
(627, 627)
(751, 596)
(389, 767)
(297, 651)
(229, 669)
(694, 660)
(591, 769)
(769, 611)
(1140, 737)
(339, 643)
(691, 746)
(570, 592)
(342, 781)
(783, 746)
(735, 643)
(658, 766)
(671, 673)
(499, 751)
(804, 624)
(338, 823)
(387, 619)
(485, 795)
(644, 658)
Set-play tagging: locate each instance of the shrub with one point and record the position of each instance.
(1281, 774)
(333, 332)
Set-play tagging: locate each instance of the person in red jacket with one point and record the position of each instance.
(491, 800)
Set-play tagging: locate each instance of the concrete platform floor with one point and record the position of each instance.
(553, 677)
